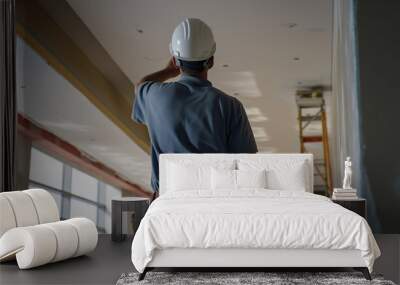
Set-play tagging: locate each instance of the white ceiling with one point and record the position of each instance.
(258, 39)
(50, 100)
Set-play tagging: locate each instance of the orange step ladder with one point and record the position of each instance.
(313, 134)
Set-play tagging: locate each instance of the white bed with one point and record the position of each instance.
(193, 224)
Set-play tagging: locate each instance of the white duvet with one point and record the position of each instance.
(250, 219)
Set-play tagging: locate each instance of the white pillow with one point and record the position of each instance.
(236, 179)
(223, 179)
(183, 178)
(251, 179)
(282, 174)
(188, 174)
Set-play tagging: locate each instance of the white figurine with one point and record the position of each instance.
(347, 174)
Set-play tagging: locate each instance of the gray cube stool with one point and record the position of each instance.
(137, 205)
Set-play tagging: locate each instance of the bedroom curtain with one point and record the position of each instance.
(346, 139)
(7, 97)
(346, 95)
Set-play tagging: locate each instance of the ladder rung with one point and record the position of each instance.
(310, 102)
(310, 139)
(310, 118)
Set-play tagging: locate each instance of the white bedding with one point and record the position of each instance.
(251, 218)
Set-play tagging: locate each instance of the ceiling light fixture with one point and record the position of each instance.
(289, 25)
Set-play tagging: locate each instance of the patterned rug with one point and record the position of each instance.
(253, 278)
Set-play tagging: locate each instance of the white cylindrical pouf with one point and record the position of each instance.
(7, 218)
(22, 205)
(34, 246)
(67, 239)
(87, 234)
(45, 205)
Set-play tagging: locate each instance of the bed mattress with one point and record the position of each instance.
(250, 219)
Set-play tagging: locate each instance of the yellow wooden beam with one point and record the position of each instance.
(50, 41)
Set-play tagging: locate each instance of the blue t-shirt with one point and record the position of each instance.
(191, 116)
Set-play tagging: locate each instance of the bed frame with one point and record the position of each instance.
(249, 259)
(245, 259)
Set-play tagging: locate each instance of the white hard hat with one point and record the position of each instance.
(192, 40)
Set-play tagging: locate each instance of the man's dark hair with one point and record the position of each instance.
(192, 66)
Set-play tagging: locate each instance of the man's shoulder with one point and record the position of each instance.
(228, 100)
(156, 85)
(223, 96)
(150, 89)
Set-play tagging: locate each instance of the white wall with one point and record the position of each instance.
(82, 209)
(45, 169)
(48, 171)
(51, 101)
(84, 185)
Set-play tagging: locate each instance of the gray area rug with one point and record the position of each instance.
(233, 278)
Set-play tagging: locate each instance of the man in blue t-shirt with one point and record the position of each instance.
(190, 115)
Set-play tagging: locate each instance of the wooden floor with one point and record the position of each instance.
(110, 260)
